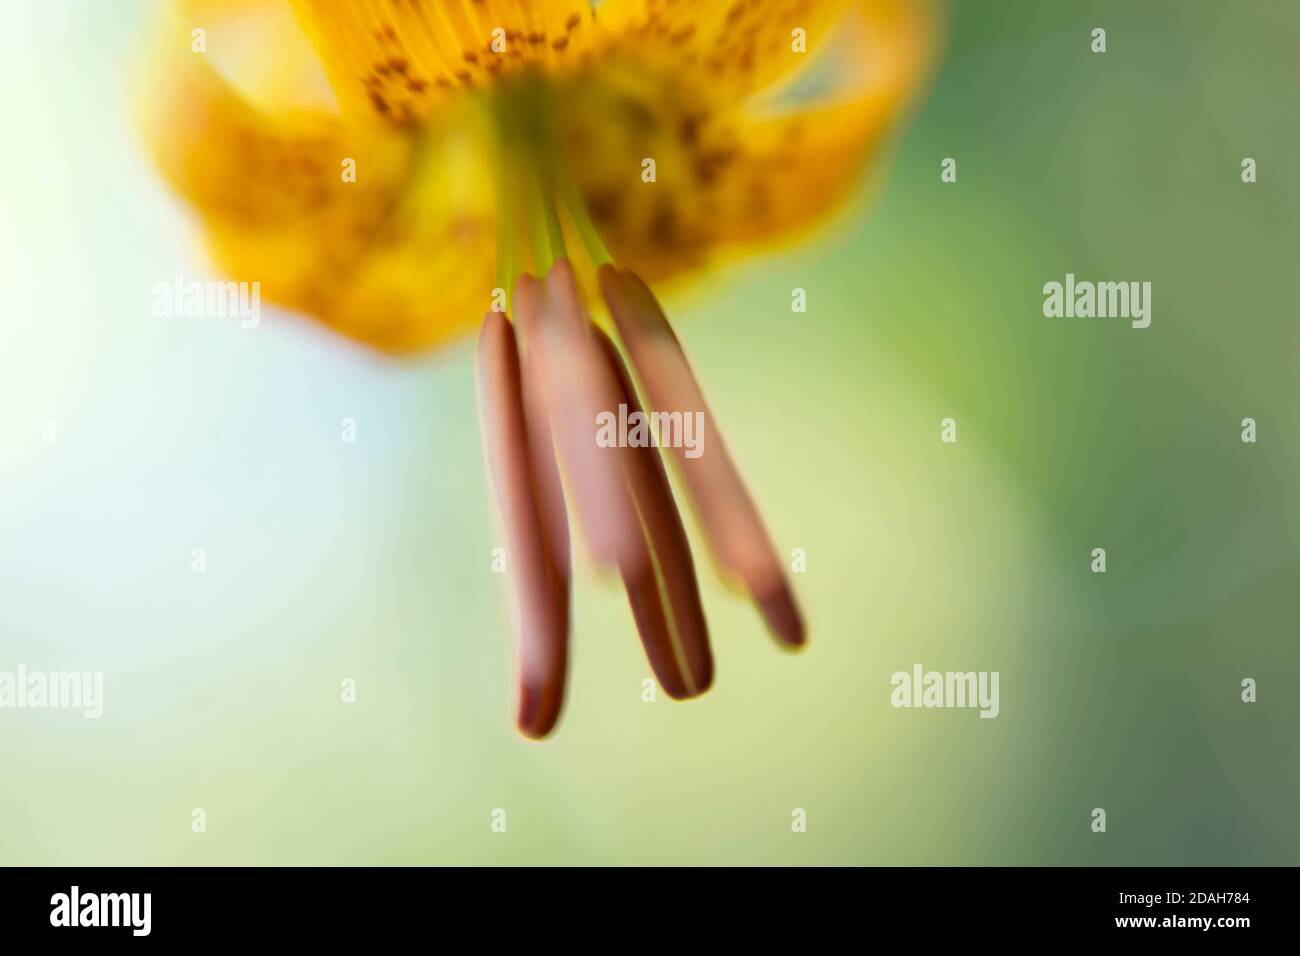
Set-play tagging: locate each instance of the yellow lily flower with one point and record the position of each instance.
(457, 150)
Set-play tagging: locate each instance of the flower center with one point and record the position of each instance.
(539, 198)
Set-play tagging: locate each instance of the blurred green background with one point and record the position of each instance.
(371, 560)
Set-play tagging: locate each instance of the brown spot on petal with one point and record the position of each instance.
(663, 223)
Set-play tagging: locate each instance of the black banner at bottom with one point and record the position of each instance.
(212, 905)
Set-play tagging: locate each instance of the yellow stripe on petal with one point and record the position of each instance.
(395, 58)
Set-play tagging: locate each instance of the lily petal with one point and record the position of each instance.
(736, 48)
(395, 59)
(364, 253)
(739, 165)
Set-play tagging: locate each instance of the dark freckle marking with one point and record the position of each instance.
(638, 114)
(663, 224)
(605, 206)
(709, 164)
(688, 129)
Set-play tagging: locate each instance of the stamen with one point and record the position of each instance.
(547, 407)
(722, 503)
(579, 384)
(541, 592)
(550, 492)
(582, 224)
(526, 172)
(664, 597)
(554, 233)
